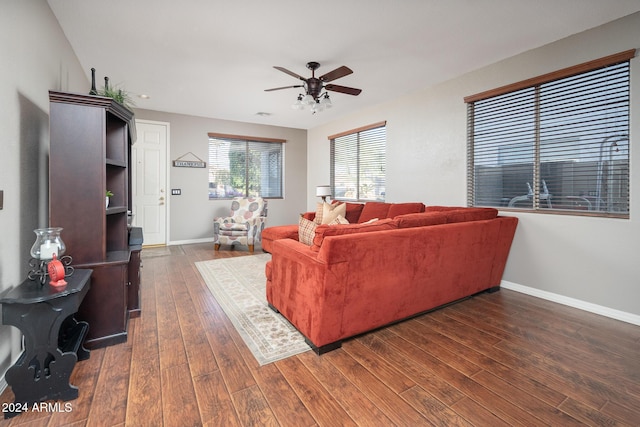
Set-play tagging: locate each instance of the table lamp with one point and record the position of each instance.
(323, 191)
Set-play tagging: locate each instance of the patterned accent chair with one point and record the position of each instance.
(244, 225)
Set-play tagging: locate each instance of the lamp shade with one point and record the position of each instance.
(323, 190)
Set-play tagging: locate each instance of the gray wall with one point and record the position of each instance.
(191, 214)
(591, 260)
(35, 57)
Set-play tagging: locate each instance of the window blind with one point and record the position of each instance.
(240, 167)
(557, 146)
(358, 164)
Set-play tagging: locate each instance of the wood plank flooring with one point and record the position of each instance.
(501, 359)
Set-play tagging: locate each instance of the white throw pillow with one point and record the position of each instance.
(331, 212)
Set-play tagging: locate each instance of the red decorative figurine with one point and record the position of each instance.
(56, 273)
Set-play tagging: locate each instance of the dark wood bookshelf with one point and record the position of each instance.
(90, 152)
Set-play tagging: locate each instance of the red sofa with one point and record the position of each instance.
(355, 278)
(356, 213)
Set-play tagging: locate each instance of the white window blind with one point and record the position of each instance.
(557, 146)
(244, 167)
(358, 164)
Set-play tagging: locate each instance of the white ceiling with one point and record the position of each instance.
(214, 58)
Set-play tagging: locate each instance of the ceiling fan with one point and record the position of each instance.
(313, 86)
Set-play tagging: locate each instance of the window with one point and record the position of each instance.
(358, 163)
(244, 166)
(556, 143)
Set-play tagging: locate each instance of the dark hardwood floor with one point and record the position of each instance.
(501, 359)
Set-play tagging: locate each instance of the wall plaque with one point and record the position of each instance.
(180, 163)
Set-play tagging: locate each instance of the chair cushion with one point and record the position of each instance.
(234, 226)
(233, 233)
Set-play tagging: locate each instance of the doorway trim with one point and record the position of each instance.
(167, 174)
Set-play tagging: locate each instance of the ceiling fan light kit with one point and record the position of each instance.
(314, 97)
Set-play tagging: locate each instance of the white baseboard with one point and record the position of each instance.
(575, 303)
(188, 242)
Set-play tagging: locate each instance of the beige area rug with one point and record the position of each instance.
(238, 284)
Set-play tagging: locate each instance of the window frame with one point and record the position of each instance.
(247, 140)
(534, 84)
(360, 165)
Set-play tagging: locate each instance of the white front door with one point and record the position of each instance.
(149, 181)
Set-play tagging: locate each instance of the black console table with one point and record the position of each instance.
(52, 339)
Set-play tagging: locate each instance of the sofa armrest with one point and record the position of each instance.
(294, 250)
(307, 291)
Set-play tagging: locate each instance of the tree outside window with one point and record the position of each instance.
(240, 167)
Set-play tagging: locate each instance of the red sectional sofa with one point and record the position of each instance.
(356, 213)
(358, 277)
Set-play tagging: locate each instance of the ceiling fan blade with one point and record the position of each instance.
(336, 74)
(291, 73)
(343, 89)
(284, 87)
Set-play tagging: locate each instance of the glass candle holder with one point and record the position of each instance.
(47, 247)
(48, 243)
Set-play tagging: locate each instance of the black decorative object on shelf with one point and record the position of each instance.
(40, 269)
(93, 90)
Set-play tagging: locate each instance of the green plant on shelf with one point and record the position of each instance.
(121, 96)
(109, 193)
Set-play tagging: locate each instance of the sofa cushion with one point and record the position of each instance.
(374, 210)
(354, 210)
(470, 214)
(325, 230)
(436, 208)
(404, 208)
(421, 219)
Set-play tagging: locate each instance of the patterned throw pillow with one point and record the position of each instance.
(306, 231)
(318, 218)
